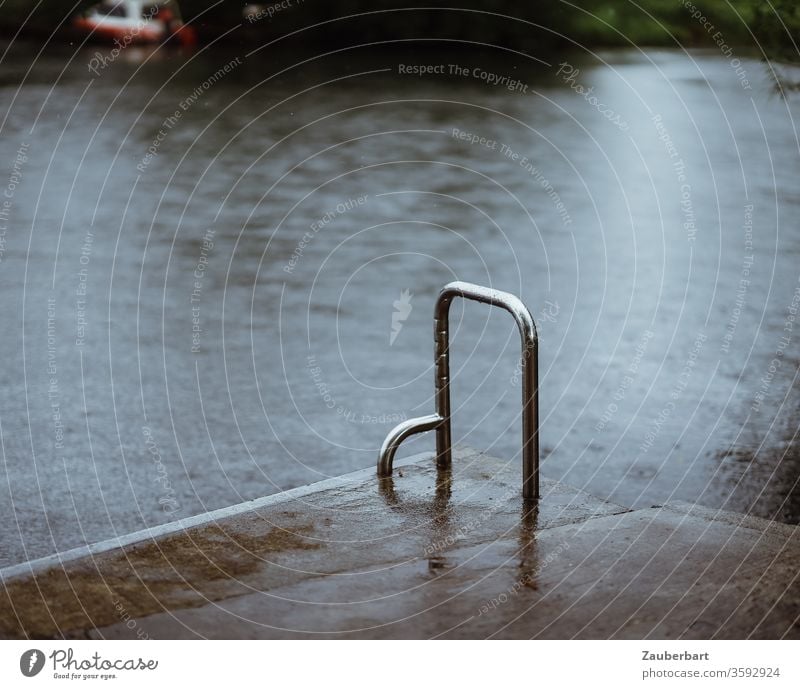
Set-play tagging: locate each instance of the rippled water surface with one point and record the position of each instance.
(248, 307)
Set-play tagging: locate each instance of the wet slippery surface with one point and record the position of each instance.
(153, 431)
(428, 554)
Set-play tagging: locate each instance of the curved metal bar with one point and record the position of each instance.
(398, 434)
(529, 374)
(441, 420)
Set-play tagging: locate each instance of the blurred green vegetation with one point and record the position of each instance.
(548, 24)
(779, 30)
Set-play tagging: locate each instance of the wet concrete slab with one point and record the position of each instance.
(425, 554)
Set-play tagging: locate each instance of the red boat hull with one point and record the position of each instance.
(133, 32)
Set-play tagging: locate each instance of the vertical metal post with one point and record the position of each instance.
(441, 327)
(530, 418)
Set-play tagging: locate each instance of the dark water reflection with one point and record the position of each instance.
(295, 379)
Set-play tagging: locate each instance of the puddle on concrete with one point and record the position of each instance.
(182, 570)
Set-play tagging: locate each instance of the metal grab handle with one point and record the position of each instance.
(440, 421)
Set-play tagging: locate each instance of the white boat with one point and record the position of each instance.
(125, 22)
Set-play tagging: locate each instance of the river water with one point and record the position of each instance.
(218, 274)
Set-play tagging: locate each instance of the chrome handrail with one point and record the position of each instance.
(440, 421)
